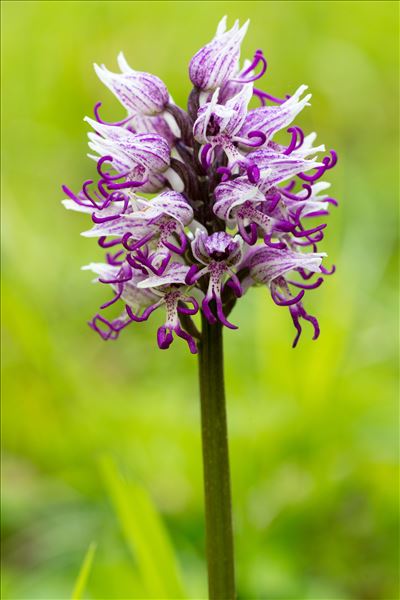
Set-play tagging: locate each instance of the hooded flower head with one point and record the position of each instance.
(230, 208)
(140, 93)
(216, 62)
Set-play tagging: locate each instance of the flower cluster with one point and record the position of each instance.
(225, 205)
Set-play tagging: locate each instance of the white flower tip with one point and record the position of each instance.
(98, 70)
(93, 156)
(104, 74)
(246, 64)
(322, 185)
(98, 127)
(100, 269)
(313, 163)
(69, 204)
(123, 63)
(96, 267)
(235, 29)
(244, 28)
(221, 28)
(121, 58)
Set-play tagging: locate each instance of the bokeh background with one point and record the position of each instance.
(101, 439)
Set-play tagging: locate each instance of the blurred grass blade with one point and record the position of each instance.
(84, 573)
(145, 534)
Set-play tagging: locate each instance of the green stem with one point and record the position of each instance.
(218, 514)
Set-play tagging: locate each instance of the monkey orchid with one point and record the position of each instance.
(228, 211)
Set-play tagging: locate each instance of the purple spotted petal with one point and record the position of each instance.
(138, 92)
(266, 264)
(153, 124)
(174, 274)
(150, 150)
(275, 168)
(217, 61)
(168, 203)
(270, 119)
(119, 227)
(234, 193)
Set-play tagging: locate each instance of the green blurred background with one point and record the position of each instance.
(312, 431)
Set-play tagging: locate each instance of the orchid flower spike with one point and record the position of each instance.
(229, 207)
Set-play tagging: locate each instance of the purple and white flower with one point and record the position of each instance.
(140, 93)
(220, 252)
(218, 61)
(231, 204)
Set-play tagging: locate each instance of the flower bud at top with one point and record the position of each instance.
(215, 63)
